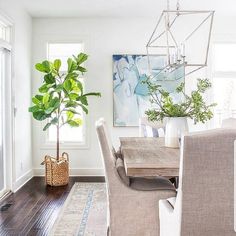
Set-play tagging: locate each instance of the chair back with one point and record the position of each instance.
(229, 123)
(113, 181)
(151, 128)
(206, 188)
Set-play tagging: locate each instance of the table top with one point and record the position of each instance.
(149, 157)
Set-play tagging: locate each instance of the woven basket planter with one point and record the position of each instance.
(57, 171)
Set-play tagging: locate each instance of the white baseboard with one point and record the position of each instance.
(74, 172)
(22, 180)
(41, 172)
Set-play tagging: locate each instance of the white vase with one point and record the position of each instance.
(175, 127)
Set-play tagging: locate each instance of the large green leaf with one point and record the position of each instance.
(69, 115)
(44, 88)
(72, 75)
(59, 88)
(54, 120)
(43, 67)
(33, 109)
(79, 86)
(71, 65)
(73, 111)
(39, 97)
(83, 99)
(81, 69)
(55, 102)
(93, 94)
(49, 79)
(67, 85)
(49, 110)
(39, 115)
(82, 57)
(84, 108)
(71, 104)
(47, 66)
(36, 101)
(73, 96)
(46, 98)
(57, 64)
(75, 122)
(40, 67)
(46, 126)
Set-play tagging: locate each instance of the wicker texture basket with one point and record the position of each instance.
(57, 171)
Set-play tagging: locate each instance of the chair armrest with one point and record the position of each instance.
(169, 220)
(166, 207)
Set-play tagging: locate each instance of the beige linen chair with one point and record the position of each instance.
(204, 205)
(229, 123)
(151, 129)
(131, 212)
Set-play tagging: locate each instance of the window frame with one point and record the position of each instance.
(219, 113)
(71, 145)
(219, 73)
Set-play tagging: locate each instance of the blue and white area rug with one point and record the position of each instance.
(84, 212)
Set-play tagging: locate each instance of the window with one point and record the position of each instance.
(5, 32)
(62, 51)
(224, 81)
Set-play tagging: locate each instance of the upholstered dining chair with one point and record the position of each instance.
(204, 205)
(229, 123)
(131, 202)
(151, 129)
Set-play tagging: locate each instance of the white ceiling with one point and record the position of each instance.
(120, 8)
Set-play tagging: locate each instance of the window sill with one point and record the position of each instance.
(65, 145)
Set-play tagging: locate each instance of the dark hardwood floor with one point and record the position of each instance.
(33, 209)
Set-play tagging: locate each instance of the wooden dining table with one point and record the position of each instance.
(148, 157)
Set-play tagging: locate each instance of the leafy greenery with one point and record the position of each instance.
(61, 94)
(192, 106)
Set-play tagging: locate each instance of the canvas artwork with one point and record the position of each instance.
(130, 95)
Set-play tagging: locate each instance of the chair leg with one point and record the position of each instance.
(175, 181)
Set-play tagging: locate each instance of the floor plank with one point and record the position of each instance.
(33, 209)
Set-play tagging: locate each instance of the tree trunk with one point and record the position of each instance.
(58, 139)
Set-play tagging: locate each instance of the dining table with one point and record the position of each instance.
(148, 157)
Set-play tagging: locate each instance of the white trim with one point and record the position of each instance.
(223, 74)
(74, 172)
(7, 119)
(235, 185)
(3, 193)
(22, 180)
(65, 145)
(5, 45)
(212, 73)
(7, 122)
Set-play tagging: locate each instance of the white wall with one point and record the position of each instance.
(21, 69)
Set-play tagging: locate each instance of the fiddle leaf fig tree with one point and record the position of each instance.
(61, 94)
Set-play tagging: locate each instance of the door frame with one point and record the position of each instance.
(8, 108)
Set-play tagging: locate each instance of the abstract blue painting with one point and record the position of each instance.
(130, 95)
